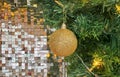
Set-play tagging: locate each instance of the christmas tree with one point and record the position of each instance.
(96, 23)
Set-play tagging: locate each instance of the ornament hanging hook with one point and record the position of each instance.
(63, 7)
(59, 3)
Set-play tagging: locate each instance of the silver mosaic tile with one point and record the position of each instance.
(23, 54)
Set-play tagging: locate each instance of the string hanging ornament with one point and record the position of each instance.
(63, 41)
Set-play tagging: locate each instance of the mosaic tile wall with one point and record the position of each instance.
(22, 54)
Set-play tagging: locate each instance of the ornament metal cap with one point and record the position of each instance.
(63, 26)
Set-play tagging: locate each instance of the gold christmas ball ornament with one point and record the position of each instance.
(62, 42)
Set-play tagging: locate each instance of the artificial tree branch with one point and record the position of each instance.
(86, 66)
